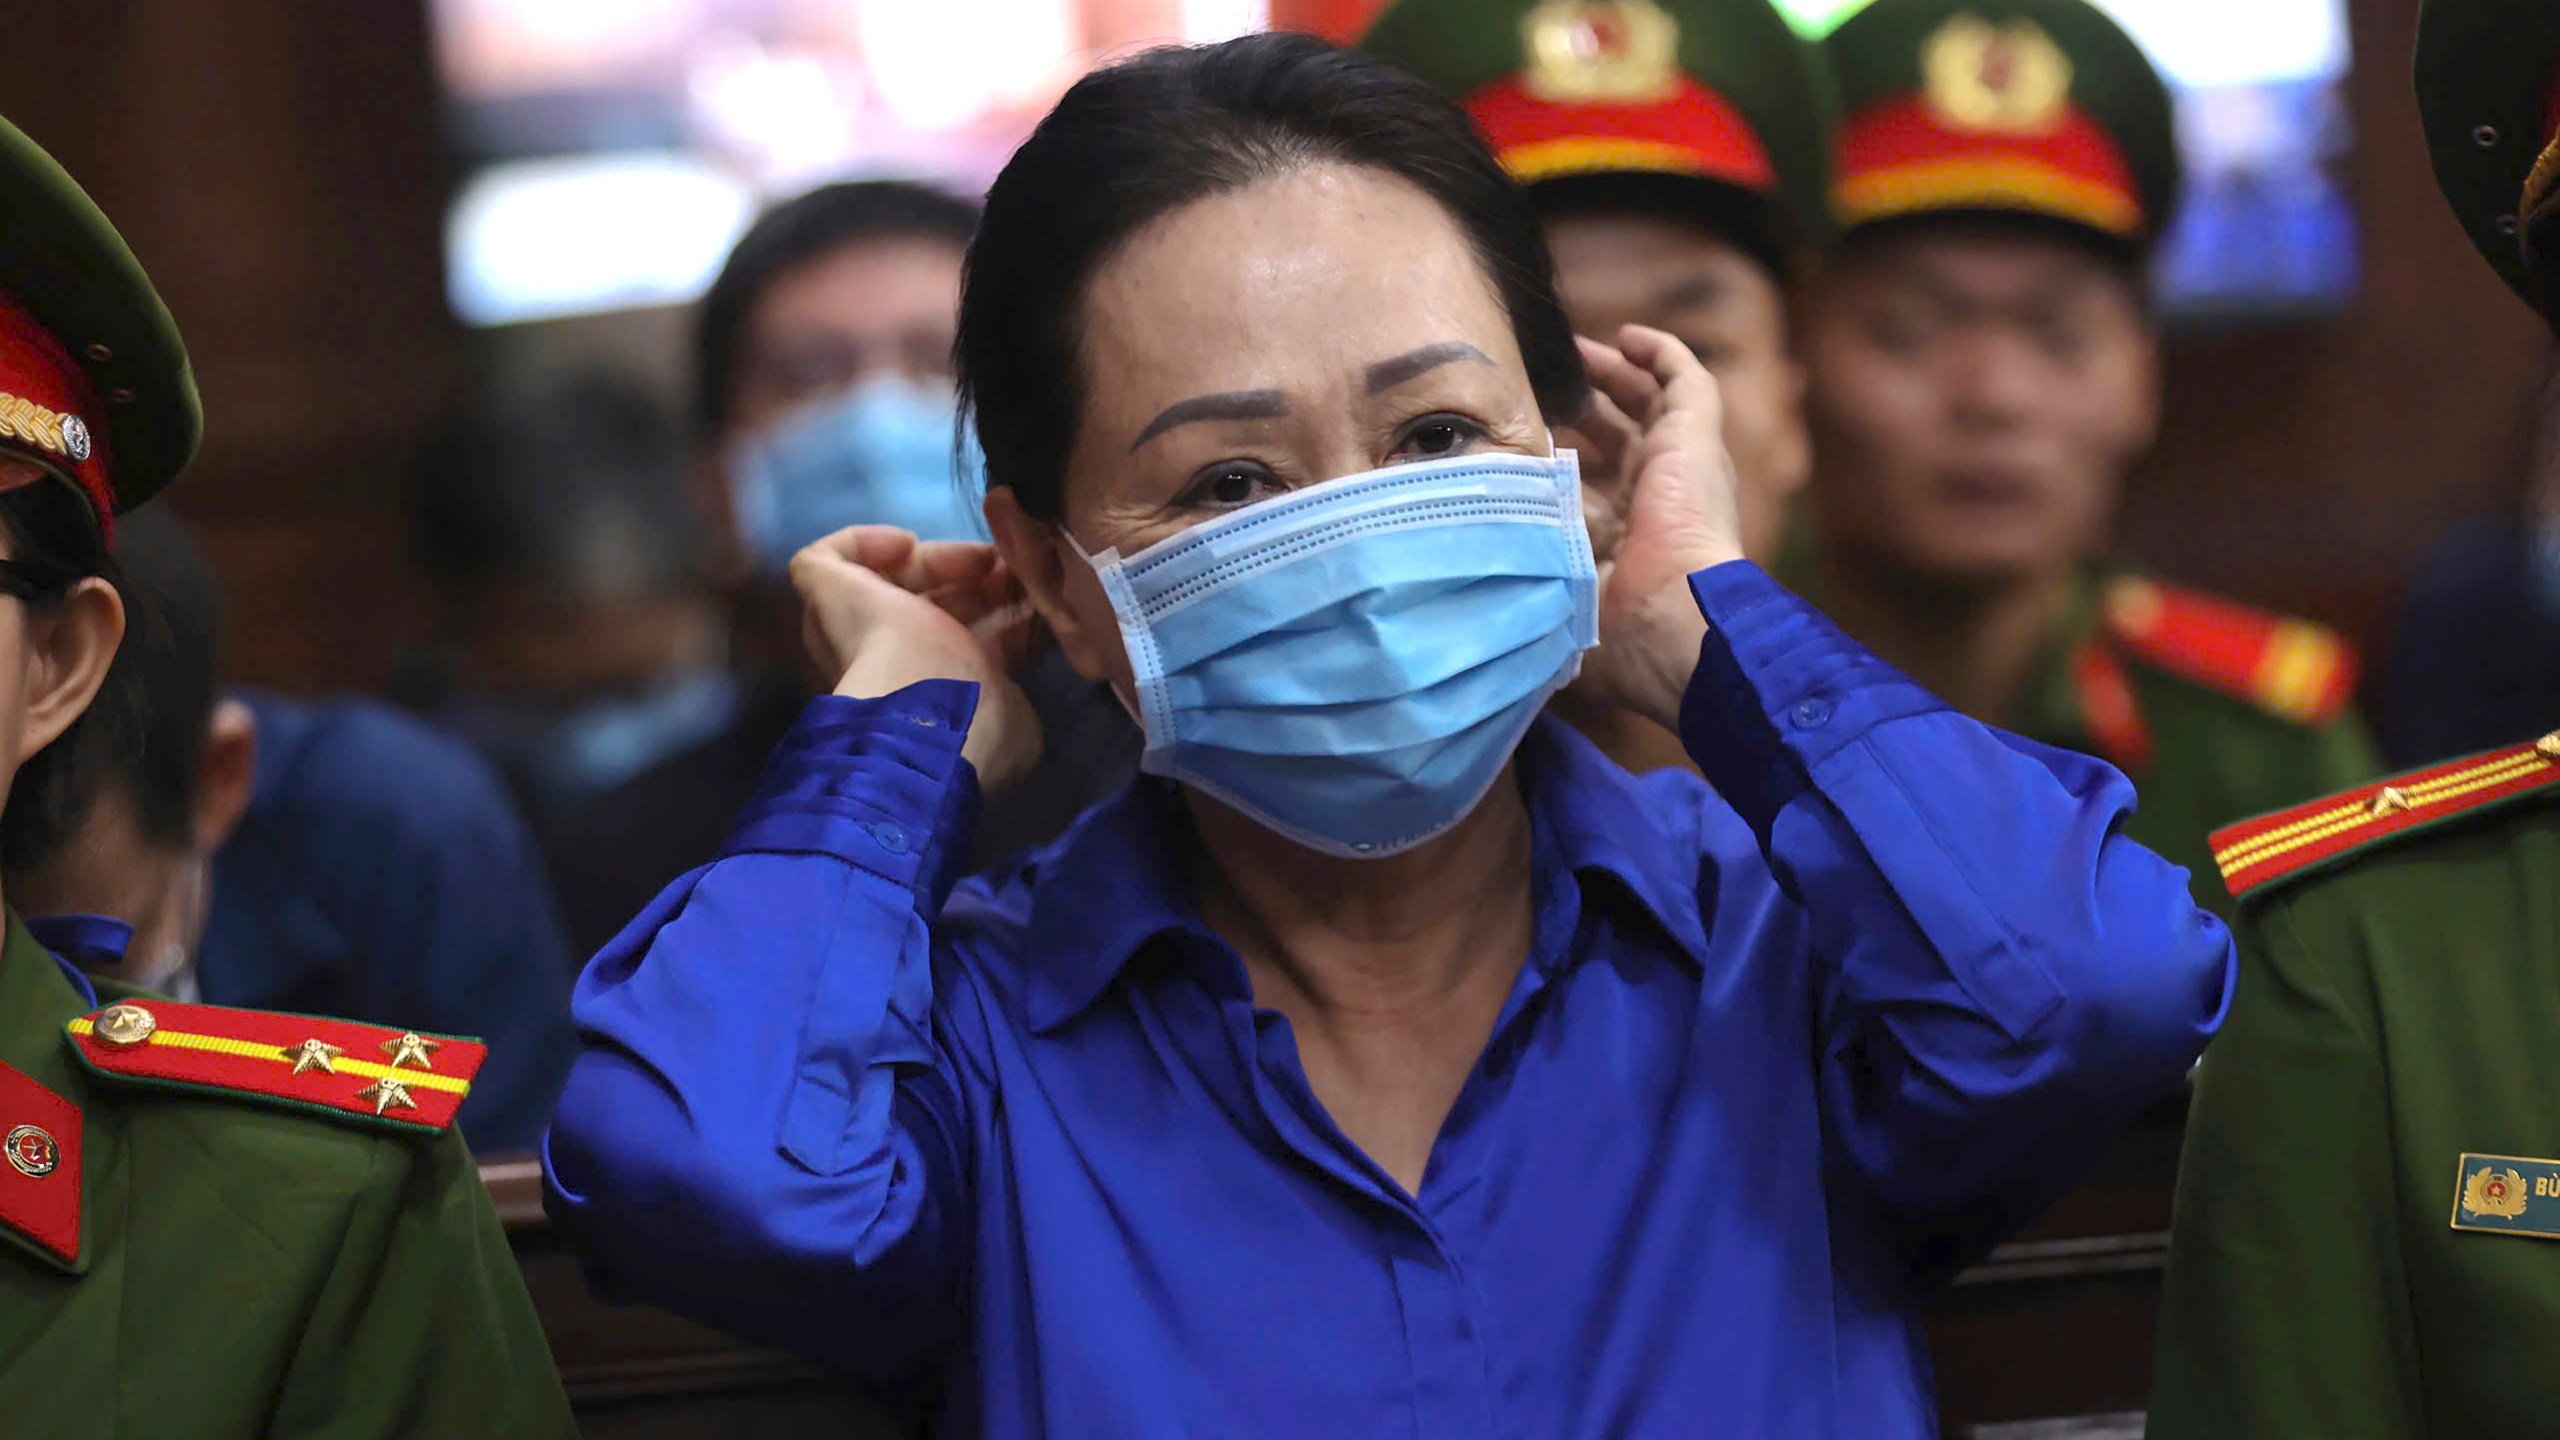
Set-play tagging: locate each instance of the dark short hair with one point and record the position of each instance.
(576, 484)
(52, 525)
(1152, 134)
(805, 228)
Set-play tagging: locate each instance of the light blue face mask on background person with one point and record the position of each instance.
(1352, 664)
(881, 453)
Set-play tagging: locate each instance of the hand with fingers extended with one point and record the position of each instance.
(1659, 493)
(885, 610)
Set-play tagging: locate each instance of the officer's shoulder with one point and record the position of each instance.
(268, 1072)
(2288, 670)
(2281, 852)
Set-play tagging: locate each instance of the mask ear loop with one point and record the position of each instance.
(1146, 667)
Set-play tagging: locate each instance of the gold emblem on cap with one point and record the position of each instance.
(411, 1049)
(313, 1054)
(2548, 747)
(32, 1152)
(124, 1026)
(1980, 76)
(2389, 800)
(1616, 52)
(387, 1094)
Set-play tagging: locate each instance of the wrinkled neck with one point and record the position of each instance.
(1392, 936)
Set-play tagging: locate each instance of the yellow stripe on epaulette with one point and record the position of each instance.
(2256, 853)
(2303, 672)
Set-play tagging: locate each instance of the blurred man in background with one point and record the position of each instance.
(334, 858)
(1986, 374)
(578, 641)
(823, 398)
(1676, 149)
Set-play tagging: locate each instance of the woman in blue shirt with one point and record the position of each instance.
(1388, 1063)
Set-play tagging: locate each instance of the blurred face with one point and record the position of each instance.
(1978, 396)
(1627, 268)
(1311, 326)
(873, 308)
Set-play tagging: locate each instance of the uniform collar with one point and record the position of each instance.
(1114, 881)
(39, 995)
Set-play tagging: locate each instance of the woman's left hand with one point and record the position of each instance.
(1660, 496)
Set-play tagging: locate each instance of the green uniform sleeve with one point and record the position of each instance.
(2286, 1307)
(423, 1328)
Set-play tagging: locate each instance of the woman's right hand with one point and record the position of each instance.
(885, 610)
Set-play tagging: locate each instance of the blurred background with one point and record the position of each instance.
(368, 217)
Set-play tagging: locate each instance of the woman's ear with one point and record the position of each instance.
(69, 648)
(1061, 587)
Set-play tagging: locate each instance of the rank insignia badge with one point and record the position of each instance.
(2508, 1195)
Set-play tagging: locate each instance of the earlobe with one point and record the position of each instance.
(68, 655)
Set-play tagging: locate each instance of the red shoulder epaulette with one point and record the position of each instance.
(397, 1078)
(2293, 668)
(2257, 853)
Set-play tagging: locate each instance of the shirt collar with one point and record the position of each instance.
(1114, 882)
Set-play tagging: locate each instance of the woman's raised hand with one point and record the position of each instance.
(885, 610)
(1659, 494)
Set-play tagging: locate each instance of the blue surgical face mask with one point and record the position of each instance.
(570, 753)
(885, 452)
(1352, 664)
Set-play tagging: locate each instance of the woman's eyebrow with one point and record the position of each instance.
(1388, 374)
(1229, 405)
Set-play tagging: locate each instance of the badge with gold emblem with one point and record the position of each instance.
(2507, 1195)
(1600, 52)
(1981, 76)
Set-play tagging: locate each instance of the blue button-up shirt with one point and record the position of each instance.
(1784, 1050)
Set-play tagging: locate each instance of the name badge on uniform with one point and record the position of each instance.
(2507, 1195)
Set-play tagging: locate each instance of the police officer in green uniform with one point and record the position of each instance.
(213, 1223)
(2367, 1241)
(1678, 153)
(1985, 375)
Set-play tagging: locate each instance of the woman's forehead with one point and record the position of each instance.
(1295, 281)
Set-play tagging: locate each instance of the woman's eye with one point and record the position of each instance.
(1225, 487)
(1440, 435)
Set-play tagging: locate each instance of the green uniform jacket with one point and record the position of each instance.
(2398, 1007)
(2205, 748)
(2215, 711)
(248, 1270)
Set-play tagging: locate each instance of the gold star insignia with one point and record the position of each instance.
(411, 1049)
(386, 1093)
(2388, 801)
(313, 1054)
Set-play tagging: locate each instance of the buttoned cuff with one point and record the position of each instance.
(1779, 689)
(879, 783)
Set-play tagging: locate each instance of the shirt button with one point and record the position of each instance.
(1810, 714)
(891, 838)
